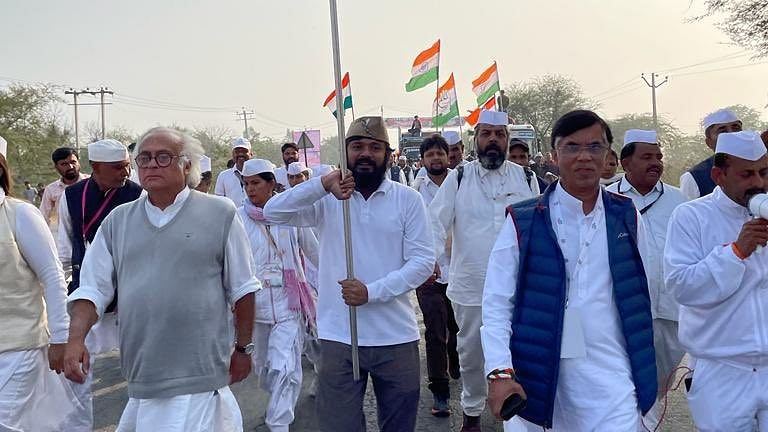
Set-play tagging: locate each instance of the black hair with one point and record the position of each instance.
(267, 176)
(628, 150)
(206, 175)
(433, 141)
(613, 153)
(62, 153)
(230, 163)
(721, 160)
(288, 145)
(577, 120)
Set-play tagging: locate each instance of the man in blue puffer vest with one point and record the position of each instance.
(566, 313)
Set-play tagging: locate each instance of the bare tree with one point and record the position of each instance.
(744, 21)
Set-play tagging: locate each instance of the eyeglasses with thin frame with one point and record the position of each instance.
(162, 159)
(572, 149)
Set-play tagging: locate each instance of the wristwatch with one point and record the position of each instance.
(247, 349)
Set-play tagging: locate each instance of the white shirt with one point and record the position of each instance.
(401, 180)
(392, 250)
(98, 270)
(474, 214)
(228, 184)
(49, 202)
(428, 189)
(688, 186)
(36, 245)
(590, 386)
(724, 300)
(281, 176)
(663, 199)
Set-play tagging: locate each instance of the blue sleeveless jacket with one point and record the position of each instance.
(537, 324)
(702, 174)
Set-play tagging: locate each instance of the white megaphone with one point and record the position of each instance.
(758, 205)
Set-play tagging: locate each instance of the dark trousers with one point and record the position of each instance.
(394, 370)
(439, 336)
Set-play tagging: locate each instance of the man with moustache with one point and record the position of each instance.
(385, 273)
(697, 181)
(519, 153)
(469, 206)
(642, 161)
(82, 208)
(566, 314)
(715, 265)
(290, 152)
(455, 149)
(229, 183)
(67, 164)
(440, 326)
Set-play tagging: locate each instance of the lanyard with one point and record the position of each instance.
(107, 200)
(272, 242)
(648, 207)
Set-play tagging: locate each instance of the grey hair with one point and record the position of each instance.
(192, 151)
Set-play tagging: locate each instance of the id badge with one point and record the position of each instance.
(572, 345)
(273, 279)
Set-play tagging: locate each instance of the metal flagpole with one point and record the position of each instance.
(343, 166)
(437, 91)
(353, 98)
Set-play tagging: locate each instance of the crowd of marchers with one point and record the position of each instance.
(562, 294)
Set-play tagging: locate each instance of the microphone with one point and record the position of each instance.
(758, 205)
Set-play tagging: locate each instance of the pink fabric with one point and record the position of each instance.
(255, 213)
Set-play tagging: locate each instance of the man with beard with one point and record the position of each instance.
(229, 183)
(566, 314)
(698, 181)
(67, 164)
(82, 208)
(641, 158)
(455, 149)
(440, 326)
(385, 273)
(469, 206)
(714, 265)
(290, 153)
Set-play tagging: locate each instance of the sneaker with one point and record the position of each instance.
(471, 424)
(441, 408)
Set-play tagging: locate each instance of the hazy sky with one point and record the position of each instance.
(275, 56)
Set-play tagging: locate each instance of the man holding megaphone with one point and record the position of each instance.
(715, 264)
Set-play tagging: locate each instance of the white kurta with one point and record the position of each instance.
(185, 412)
(228, 184)
(688, 186)
(723, 314)
(428, 189)
(281, 176)
(595, 390)
(50, 201)
(393, 254)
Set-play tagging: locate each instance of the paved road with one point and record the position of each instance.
(110, 398)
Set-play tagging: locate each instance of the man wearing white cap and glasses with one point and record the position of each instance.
(82, 208)
(298, 173)
(642, 160)
(715, 264)
(470, 206)
(205, 175)
(229, 182)
(182, 262)
(697, 181)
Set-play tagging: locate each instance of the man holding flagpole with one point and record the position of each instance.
(385, 273)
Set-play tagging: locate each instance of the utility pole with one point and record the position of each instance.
(74, 94)
(653, 87)
(244, 116)
(101, 92)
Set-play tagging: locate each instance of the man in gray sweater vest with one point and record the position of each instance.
(181, 259)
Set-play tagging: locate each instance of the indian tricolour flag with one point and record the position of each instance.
(472, 118)
(486, 85)
(425, 67)
(445, 106)
(346, 93)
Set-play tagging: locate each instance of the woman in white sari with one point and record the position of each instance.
(285, 307)
(32, 301)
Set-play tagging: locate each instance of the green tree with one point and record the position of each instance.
(744, 21)
(329, 150)
(750, 117)
(541, 101)
(30, 124)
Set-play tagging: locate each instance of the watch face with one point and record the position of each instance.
(248, 349)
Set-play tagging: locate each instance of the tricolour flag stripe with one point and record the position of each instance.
(346, 92)
(486, 85)
(446, 106)
(425, 68)
(473, 117)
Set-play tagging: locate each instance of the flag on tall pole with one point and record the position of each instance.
(446, 105)
(346, 93)
(474, 116)
(486, 85)
(425, 68)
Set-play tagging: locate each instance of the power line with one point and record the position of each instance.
(710, 61)
(636, 87)
(653, 85)
(245, 115)
(719, 69)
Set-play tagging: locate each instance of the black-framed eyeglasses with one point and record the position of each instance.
(593, 149)
(162, 159)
